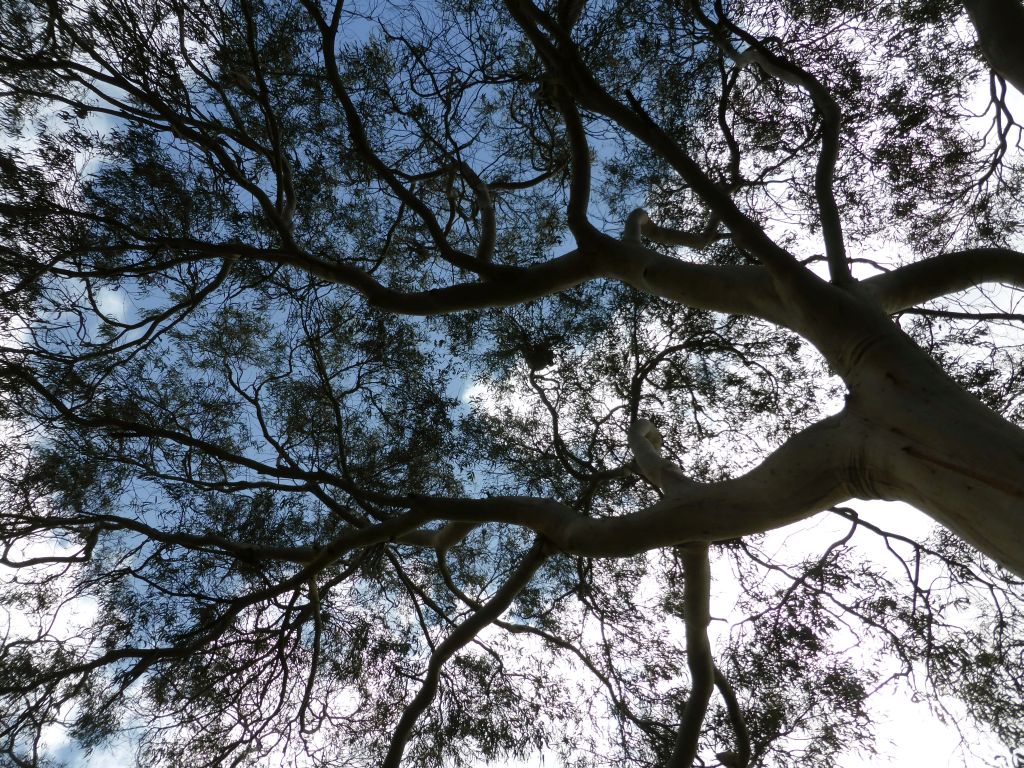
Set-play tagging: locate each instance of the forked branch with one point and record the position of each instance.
(458, 639)
(828, 111)
(566, 64)
(804, 476)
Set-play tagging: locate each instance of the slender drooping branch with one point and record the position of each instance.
(697, 616)
(741, 757)
(458, 639)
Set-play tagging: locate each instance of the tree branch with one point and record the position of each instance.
(734, 289)
(998, 24)
(485, 205)
(697, 615)
(975, 317)
(807, 474)
(741, 758)
(827, 108)
(743, 290)
(579, 166)
(566, 64)
(458, 639)
(947, 273)
(638, 224)
(645, 442)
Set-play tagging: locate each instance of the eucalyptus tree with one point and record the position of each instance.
(393, 382)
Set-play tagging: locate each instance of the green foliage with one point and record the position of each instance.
(201, 395)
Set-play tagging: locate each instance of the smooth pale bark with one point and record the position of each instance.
(804, 476)
(944, 274)
(645, 441)
(742, 290)
(926, 440)
(746, 290)
(936, 447)
(908, 433)
(697, 615)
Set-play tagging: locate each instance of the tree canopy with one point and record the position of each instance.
(401, 383)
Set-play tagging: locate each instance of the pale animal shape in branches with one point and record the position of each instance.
(645, 441)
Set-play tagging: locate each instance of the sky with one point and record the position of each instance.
(908, 733)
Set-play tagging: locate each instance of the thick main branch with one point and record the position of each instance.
(804, 476)
(944, 274)
(999, 24)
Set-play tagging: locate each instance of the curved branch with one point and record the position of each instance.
(485, 205)
(744, 290)
(579, 167)
(697, 615)
(639, 223)
(734, 289)
(947, 273)
(831, 116)
(794, 482)
(459, 638)
(361, 143)
(516, 286)
(807, 474)
(645, 442)
(567, 65)
(314, 661)
(740, 758)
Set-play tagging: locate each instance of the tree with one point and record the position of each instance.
(355, 413)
